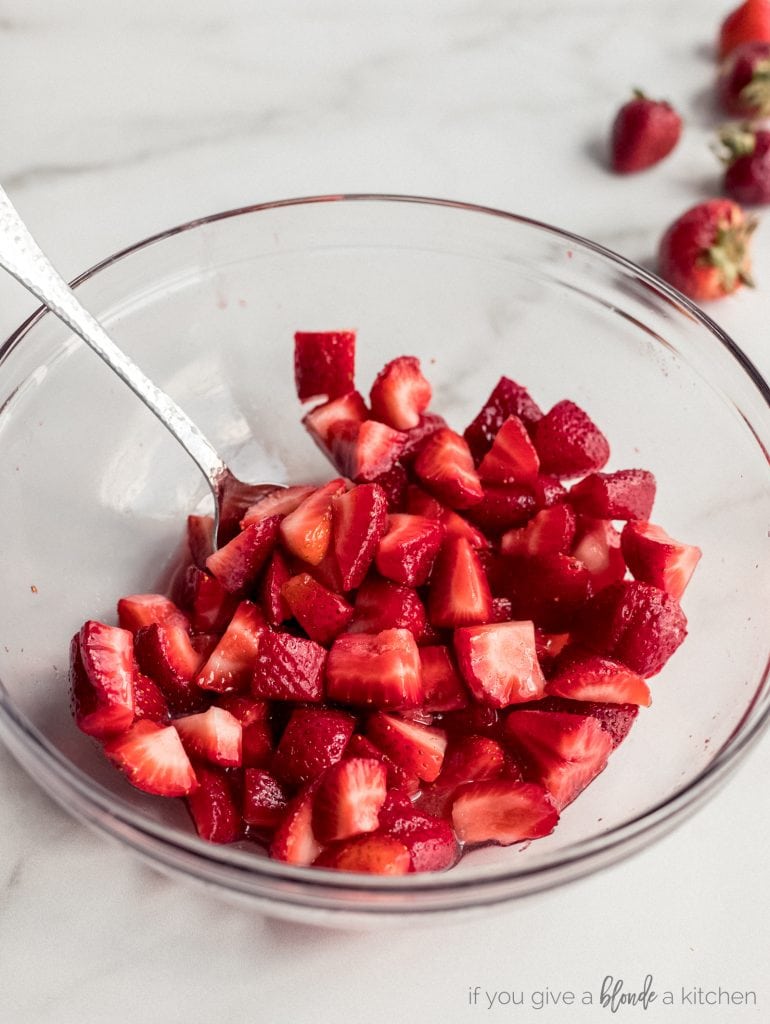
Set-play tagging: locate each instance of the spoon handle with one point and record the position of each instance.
(21, 256)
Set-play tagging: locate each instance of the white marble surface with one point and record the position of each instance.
(118, 120)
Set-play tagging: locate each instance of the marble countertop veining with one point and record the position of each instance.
(119, 120)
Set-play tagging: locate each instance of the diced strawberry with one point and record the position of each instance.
(200, 538)
(143, 609)
(499, 662)
(419, 503)
(654, 557)
(507, 399)
(568, 441)
(210, 606)
(367, 854)
(431, 841)
(279, 502)
(348, 799)
(102, 679)
(237, 564)
(306, 531)
(503, 506)
(153, 759)
(549, 589)
(167, 656)
(445, 467)
(459, 592)
(443, 688)
(324, 363)
(359, 519)
(230, 666)
(615, 719)
(381, 605)
(503, 812)
(321, 421)
(364, 451)
(471, 759)
(149, 701)
(590, 677)
(313, 740)
(294, 841)
(512, 457)
(380, 671)
(321, 613)
(213, 808)
(501, 610)
(635, 623)
(428, 424)
(418, 749)
(264, 799)
(407, 551)
(257, 736)
(394, 483)
(568, 751)
(598, 547)
(204, 644)
(400, 393)
(548, 491)
(289, 668)
(550, 531)
(625, 494)
(397, 778)
(214, 735)
(271, 590)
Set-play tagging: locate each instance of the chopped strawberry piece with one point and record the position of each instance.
(626, 494)
(209, 605)
(279, 502)
(257, 736)
(289, 668)
(230, 666)
(551, 531)
(549, 589)
(499, 662)
(324, 363)
(381, 671)
(429, 423)
(167, 656)
(394, 484)
(635, 623)
(471, 759)
(548, 491)
(407, 551)
(321, 613)
(400, 394)
(149, 701)
(294, 840)
(512, 457)
(200, 538)
(418, 749)
(381, 605)
(615, 719)
(367, 854)
(271, 590)
(321, 421)
(153, 759)
(590, 677)
(569, 442)
(598, 548)
(359, 518)
(214, 735)
(459, 592)
(501, 610)
(204, 644)
(549, 646)
(397, 778)
(567, 751)
(654, 557)
(503, 812)
(306, 531)
(313, 740)
(419, 503)
(237, 564)
(443, 688)
(431, 841)
(503, 506)
(445, 467)
(348, 799)
(264, 799)
(143, 609)
(213, 808)
(507, 399)
(364, 451)
(102, 679)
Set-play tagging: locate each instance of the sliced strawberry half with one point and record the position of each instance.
(442, 685)
(152, 758)
(237, 564)
(499, 662)
(294, 841)
(459, 591)
(380, 670)
(166, 655)
(400, 393)
(321, 613)
(200, 538)
(209, 605)
(102, 679)
(313, 740)
(324, 363)
(512, 457)
(257, 741)
(430, 840)
(306, 531)
(213, 735)
(550, 531)
(418, 749)
(568, 441)
(264, 800)
(503, 812)
(597, 546)
(143, 609)
(213, 808)
(348, 799)
(289, 668)
(367, 854)
(359, 519)
(230, 666)
(364, 451)
(382, 605)
(271, 590)
(507, 399)
(445, 467)
(420, 503)
(408, 549)
(625, 494)
(279, 502)
(590, 677)
(655, 557)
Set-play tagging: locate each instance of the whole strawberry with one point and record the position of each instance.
(748, 23)
(643, 133)
(746, 154)
(744, 81)
(705, 252)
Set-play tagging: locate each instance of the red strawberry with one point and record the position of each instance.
(569, 442)
(271, 590)
(418, 503)
(502, 811)
(744, 81)
(322, 421)
(364, 451)
(615, 719)
(230, 666)
(400, 393)
(264, 799)
(643, 133)
(418, 749)
(589, 677)
(214, 735)
(443, 687)
(417, 437)
(397, 778)
(635, 623)
(200, 538)
(503, 506)
(471, 759)
(102, 679)
(277, 503)
(568, 751)
(512, 457)
(380, 671)
(368, 854)
(550, 531)
(394, 484)
(294, 840)
(149, 701)
(445, 466)
(654, 557)
(746, 155)
(598, 548)
(548, 491)
(748, 23)
(502, 610)
(407, 550)
(210, 606)
(213, 809)
(288, 668)
(348, 799)
(153, 759)
(359, 518)
(626, 494)
(499, 662)
(321, 613)
(167, 656)
(306, 531)
(143, 609)
(549, 589)
(237, 564)
(381, 605)
(507, 399)
(459, 591)
(705, 252)
(313, 740)
(324, 363)
(431, 841)
(257, 737)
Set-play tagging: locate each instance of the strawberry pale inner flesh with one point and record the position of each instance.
(436, 649)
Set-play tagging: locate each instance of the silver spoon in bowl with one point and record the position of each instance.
(21, 256)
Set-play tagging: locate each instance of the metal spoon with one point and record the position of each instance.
(22, 257)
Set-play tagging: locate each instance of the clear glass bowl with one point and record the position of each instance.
(95, 492)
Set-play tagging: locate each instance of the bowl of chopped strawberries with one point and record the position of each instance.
(494, 628)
